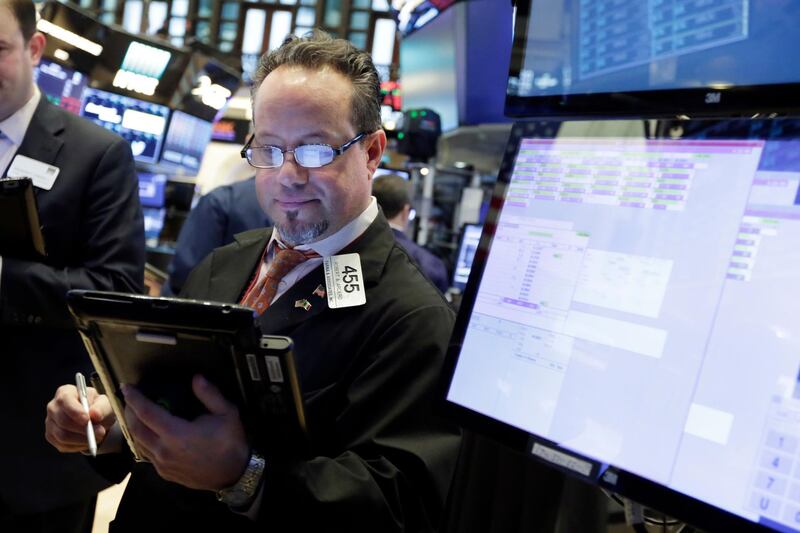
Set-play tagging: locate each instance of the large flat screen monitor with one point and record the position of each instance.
(653, 58)
(62, 86)
(138, 122)
(186, 141)
(632, 318)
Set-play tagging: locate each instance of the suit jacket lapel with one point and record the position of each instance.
(42, 140)
(231, 272)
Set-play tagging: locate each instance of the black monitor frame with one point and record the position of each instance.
(756, 101)
(609, 477)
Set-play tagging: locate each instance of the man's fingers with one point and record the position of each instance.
(152, 415)
(210, 396)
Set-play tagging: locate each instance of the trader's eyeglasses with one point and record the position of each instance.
(305, 155)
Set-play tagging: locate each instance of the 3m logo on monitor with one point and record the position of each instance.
(713, 98)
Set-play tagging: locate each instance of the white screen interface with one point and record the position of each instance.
(640, 305)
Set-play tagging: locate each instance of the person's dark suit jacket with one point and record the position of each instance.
(382, 461)
(432, 266)
(92, 224)
(217, 217)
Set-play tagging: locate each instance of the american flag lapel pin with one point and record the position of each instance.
(319, 291)
(303, 303)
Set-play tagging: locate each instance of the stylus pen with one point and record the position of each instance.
(80, 382)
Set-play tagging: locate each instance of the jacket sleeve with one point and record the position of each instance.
(204, 229)
(110, 250)
(398, 457)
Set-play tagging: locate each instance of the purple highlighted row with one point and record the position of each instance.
(737, 277)
(672, 186)
(740, 253)
(669, 196)
(632, 204)
(746, 242)
(734, 264)
(675, 176)
(750, 230)
(772, 214)
(521, 303)
(771, 183)
(517, 204)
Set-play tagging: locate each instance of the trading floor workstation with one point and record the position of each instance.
(624, 258)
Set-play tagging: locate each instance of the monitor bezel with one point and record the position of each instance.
(628, 484)
(753, 101)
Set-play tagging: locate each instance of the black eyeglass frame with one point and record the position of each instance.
(337, 151)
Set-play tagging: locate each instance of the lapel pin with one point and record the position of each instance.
(303, 303)
(319, 291)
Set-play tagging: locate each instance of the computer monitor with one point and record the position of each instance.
(138, 122)
(151, 189)
(62, 86)
(386, 171)
(467, 246)
(153, 224)
(186, 142)
(632, 320)
(593, 58)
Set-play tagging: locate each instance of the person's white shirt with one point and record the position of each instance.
(14, 128)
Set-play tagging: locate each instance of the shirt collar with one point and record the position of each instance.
(348, 233)
(15, 126)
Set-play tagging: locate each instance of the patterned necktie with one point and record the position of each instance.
(260, 296)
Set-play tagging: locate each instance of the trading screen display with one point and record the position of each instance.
(151, 189)
(467, 247)
(605, 46)
(186, 141)
(62, 86)
(638, 307)
(138, 122)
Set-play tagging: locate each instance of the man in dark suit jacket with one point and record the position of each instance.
(92, 225)
(391, 191)
(217, 217)
(369, 342)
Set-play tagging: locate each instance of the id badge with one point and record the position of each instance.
(344, 281)
(42, 174)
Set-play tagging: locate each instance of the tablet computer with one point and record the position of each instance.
(159, 344)
(20, 231)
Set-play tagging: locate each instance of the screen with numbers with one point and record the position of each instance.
(633, 316)
(653, 57)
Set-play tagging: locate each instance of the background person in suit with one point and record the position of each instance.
(380, 459)
(392, 194)
(92, 224)
(217, 217)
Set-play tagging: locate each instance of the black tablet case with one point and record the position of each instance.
(158, 344)
(20, 233)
